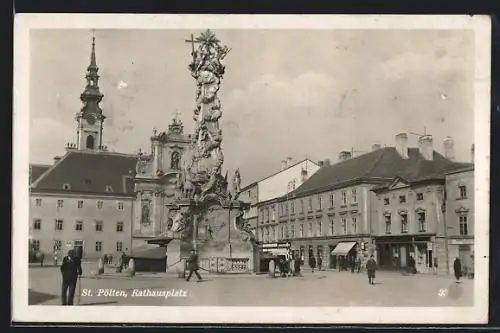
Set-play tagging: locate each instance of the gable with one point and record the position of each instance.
(398, 183)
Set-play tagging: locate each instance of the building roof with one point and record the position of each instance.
(379, 166)
(101, 172)
(36, 170)
(277, 172)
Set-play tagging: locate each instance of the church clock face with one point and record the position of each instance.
(90, 119)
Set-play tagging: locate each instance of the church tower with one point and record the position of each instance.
(90, 118)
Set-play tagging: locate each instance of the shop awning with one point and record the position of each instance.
(343, 248)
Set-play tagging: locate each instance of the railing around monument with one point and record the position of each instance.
(226, 265)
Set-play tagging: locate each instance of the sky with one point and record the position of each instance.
(286, 93)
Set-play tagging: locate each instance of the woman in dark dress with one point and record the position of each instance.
(457, 268)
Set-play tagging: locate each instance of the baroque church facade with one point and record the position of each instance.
(105, 202)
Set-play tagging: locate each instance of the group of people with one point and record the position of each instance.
(351, 262)
(108, 259)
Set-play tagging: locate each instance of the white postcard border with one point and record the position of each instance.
(139, 314)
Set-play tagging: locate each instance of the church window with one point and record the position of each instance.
(90, 142)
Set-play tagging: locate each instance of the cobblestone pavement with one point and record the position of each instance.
(324, 288)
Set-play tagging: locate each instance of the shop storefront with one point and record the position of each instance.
(272, 251)
(395, 252)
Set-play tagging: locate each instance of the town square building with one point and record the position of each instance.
(86, 197)
(343, 209)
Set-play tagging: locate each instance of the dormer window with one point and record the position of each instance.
(109, 188)
(66, 187)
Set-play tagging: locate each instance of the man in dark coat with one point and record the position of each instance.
(320, 262)
(193, 265)
(457, 268)
(371, 267)
(312, 262)
(71, 269)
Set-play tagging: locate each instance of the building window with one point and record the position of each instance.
(60, 203)
(261, 234)
(388, 224)
(38, 202)
(463, 225)
(354, 196)
(420, 196)
(98, 225)
(354, 225)
(99, 204)
(66, 187)
(292, 207)
(320, 202)
(332, 200)
(386, 201)
(344, 197)
(120, 205)
(80, 204)
(301, 206)
(292, 231)
(286, 208)
(59, 225)
(35, 243)
(332, 227)
(287, 235)
(402, 199)
(57, 245)
(267, 214)
(344, 225)
(310, 204)
(119, 226)
(310, 229)
(421, 221)
(282, 232)
(262, 215)
(79, 226)
(37, 224)
(267, 235)
(462, 191)
(320, 228)
(301, 230)
(119, 246)
(98, 246)
(273, 213)
(273, 233)
(404, 223)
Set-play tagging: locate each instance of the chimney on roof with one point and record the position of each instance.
(449, 152)
(344, 155)
(402, 144)
(303, 175)
(321, 164)
(283, 164)
(327, 162)
(57, 159)
(375, 147)
(425, 147)
(289, 161)
(472, 154)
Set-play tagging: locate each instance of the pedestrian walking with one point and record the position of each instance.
(193, 265)
(71, 270)
(105, 259)
(297, 263)
(320, 262)
(457, 268)
(110, 259)
(371, 267)
(312, 262)
(353, 263)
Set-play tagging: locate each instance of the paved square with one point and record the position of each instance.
(324, 288)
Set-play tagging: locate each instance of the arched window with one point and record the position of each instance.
(90, 142)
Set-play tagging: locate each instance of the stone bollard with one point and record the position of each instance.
(272, 269)
(100, 267)
(131, 268)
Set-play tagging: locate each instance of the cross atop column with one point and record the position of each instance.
(192, 41)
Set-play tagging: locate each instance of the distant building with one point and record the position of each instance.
(288, 178)
(86, 197)
(460, 219)
(340, 211)
(410, 215)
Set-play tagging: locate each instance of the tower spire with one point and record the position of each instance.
(90, 118)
